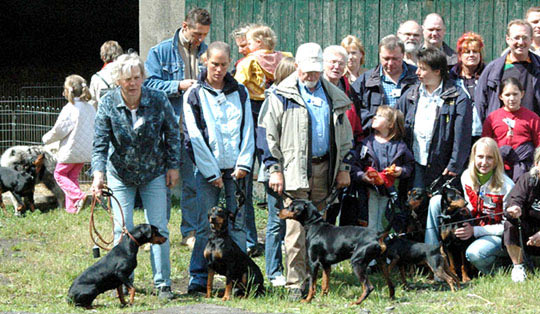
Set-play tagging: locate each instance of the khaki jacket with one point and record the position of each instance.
(285, 124)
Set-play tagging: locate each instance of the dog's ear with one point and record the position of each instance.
(40, 160)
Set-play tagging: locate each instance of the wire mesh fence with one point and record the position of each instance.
(27, 113)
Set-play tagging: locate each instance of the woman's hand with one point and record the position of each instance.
(534, 240)
(514, 211)
(218, 183)
(172, 177)
(397, 172)
(239, 173)
(98, 183)
(449, 173)
(367, 179)
(465, 232)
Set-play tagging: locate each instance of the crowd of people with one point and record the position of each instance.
(314, 123)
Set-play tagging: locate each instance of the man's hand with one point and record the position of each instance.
(343, 179)
(172, 177)
(276, 182)
(218, 183)
(185, 84)
(465, 232)
(239, 173)
(98, 183)
(534, 240)
(447, 172)
(514, 211)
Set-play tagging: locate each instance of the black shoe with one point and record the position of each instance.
(196, 290)
(165, 293)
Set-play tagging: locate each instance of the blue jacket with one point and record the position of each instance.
(363, 156)
(218, 128)
(165, 69)
(136, 153)
(486, 94)
(451, 142)
(370, 91)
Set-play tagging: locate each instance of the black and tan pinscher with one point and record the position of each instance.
(403, 252)
(21, 184)
(114, 269)
(327, 245)
(453, 213)
(226, 258)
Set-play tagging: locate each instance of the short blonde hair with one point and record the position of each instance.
(263, 33)
(110, 50)
(497, 179)
(123, 65)
(75, 86)
(353, 41)
(284, 68)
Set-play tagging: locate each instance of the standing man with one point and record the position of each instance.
(384, 84)
(520, 63)
(173, 66)
(533, 17)
(307, 137)
(410, 33)
(434, 31)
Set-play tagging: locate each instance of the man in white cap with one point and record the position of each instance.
(305, 136)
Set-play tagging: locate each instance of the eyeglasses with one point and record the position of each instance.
(335, 63)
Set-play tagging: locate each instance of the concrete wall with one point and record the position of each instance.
(158, 20)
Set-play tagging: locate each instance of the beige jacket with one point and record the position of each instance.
(285, 118)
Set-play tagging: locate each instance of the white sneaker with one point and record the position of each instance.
(518, 273)
(279, 281)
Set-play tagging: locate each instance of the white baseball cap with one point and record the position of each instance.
(309, 57)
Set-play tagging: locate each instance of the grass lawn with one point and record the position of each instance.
(42, 253)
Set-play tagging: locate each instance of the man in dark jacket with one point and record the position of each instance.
(438, 119)
(520, 63)
(384, 84)
(434, 29)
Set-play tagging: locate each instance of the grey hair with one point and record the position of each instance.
(391, 42)
(124, 63)
(335, 50)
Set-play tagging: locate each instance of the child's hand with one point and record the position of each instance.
(367, 179)
(397, 172)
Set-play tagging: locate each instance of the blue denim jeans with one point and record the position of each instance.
(484, 251)
(251, 229)
(188, 200)
(207, 197)
(154, 198)
(432, 225)
(275, 232)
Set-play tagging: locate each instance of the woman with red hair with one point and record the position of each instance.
(467, 71)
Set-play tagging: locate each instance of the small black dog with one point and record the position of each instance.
(114, 269)
(453, 211)
(226, 258)
(404, 252)
(327, 244)
(417, 204)
(20, 184)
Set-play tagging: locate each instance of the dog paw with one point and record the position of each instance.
(225, 298)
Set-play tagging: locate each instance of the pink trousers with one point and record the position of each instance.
(67, 177)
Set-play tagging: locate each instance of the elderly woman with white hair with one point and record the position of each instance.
(137, 147)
